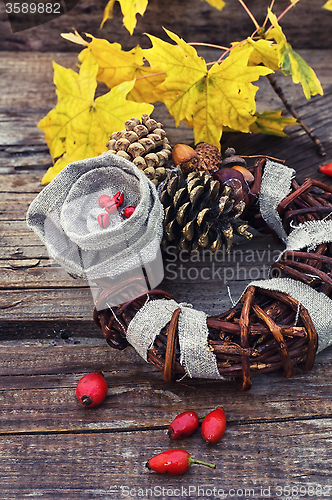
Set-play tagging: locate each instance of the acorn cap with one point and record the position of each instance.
(232, 159)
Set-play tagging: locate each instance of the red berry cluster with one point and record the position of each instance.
(91, 391)
(178, 461)
(111, 205)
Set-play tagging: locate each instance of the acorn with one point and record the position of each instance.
(245, 172)
(185, 157)
(232, 159)
(204, 158)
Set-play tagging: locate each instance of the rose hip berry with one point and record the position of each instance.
(103, 199)
(92, 389)
(103, 220)
(174, 462)
(214, 426)
(183, 425)
(326, 169)
(128, 211)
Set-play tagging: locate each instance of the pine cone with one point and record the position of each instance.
(199, 214)
(143, 142)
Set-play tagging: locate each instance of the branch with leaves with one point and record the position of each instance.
(208, 97)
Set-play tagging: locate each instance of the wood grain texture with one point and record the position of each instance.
(38, 396)
(306, 26)
(104, 465)
(279, 433)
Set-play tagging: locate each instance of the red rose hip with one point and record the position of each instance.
(214, 426)
(183, 425)
(92, 389)
(103, 199)
(326, 169)
(173, 462)
(103, 220)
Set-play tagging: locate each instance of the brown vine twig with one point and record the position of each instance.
(278, 90)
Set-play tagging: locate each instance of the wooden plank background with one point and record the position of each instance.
(308, 26)
(279, 433)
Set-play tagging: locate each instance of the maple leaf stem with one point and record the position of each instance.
(250, 14)
(267, 16)
(263, 156)
(290, 6)
(151, 74)
(278, 90)
(221, 47)
(228, 50)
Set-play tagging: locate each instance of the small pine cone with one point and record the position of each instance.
(144, 142)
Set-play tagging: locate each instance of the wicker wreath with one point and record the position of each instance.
(266, 330)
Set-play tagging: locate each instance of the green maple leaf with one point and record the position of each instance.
(292, 63)
(272, 123)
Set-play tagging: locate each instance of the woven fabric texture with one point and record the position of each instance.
(195, 355)
(64, 216)
(309, 235)
(275, 186)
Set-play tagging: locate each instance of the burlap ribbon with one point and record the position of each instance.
(64, 216)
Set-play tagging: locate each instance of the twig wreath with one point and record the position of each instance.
(277, 323)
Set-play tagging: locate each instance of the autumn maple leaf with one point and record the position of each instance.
(129, 8)
(292, 63)
(80, 125)
(328, 5)
(116, 66)
(271, 123)
(207, 100)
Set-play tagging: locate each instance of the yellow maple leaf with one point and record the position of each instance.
(206, 100)
(79, 126)
(184, 69)
(147, 79)
(114, 64)
(129, 10)
(264, 53)
(272, 123)
(218, 4)
(328, 5)
(292, 63)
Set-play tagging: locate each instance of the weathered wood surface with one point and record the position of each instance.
(306, 26)
(279, 433)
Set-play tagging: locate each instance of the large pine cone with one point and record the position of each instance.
(143, 142)
(199, 213)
